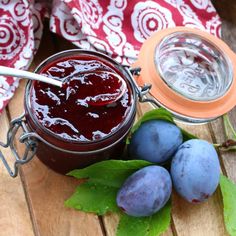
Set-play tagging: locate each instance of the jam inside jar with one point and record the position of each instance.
(75, 128)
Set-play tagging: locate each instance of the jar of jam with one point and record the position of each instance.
(66, 127)
(187, 71)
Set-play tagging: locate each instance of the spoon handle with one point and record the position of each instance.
(28, 75)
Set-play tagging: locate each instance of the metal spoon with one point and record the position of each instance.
(28, 75)
(103, 100)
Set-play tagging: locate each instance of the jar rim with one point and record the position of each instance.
(101, 56)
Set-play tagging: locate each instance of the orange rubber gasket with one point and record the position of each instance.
(168, 97)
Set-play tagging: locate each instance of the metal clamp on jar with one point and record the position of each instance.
(26, 137)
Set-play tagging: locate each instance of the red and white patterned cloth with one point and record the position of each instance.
(117, 27)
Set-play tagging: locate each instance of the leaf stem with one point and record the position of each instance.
(230, 133)
(228, 127)
(217, 145)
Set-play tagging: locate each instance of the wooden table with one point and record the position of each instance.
(33, 203)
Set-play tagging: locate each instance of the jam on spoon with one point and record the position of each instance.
(101, 87)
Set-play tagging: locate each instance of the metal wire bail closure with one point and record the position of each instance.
(26, 137)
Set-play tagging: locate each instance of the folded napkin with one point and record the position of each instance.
(115, 27)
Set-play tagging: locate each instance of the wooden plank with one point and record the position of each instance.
(14, 215)
(199, 219)
(110, 222)
(228, 158)
(46, 190)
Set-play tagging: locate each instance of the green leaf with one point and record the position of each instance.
(96, 198)
(158, 114)
(228, 190)
(160, 221)
(132, 226)
(110, 172)
(187, 135)
(145, 226)
(98, 193)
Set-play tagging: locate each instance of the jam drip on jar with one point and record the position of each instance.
(76, 112)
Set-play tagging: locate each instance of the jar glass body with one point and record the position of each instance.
(64, 155)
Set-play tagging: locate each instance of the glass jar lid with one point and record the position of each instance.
(192, 73)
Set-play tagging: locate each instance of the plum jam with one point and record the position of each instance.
(86, 120)
(76, 112)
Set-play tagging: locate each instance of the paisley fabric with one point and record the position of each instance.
(116, 27)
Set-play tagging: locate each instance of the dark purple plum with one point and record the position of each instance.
(145, 192)
(195, 170)
(155, 141)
